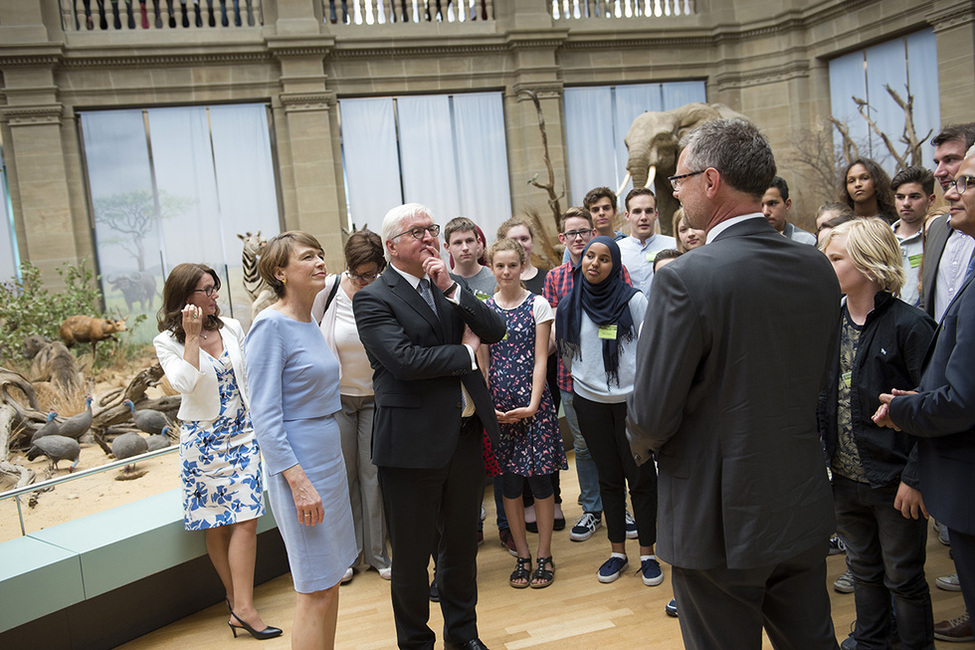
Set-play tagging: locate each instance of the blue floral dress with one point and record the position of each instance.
(221, 463)
(532, 446)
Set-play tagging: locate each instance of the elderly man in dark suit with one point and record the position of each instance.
(735, 348)
(942, 412)
(421, 327)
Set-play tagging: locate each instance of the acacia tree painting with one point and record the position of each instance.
(130, 216)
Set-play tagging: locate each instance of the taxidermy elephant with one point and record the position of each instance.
(652, 143)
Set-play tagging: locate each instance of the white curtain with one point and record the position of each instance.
(886, 67)
(8, 251)
(482, 160)
(597, 120)
(447, 152)
(864, 74)
(184, 171)
(371, 160)
(922, 63)
(210, 177)
(244, 174)
(427, 150)
(589, 140)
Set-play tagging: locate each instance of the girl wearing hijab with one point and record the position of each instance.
(596, 333)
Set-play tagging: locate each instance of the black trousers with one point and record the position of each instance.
(604, 428)
(963, 551)
(419, 503)
(726, 609)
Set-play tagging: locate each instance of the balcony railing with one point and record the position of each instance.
(593, 9)
(126, 15)
(373, 12)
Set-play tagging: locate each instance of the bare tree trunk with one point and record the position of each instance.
(549, 187)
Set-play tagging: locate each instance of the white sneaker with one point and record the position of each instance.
(948, 583)
(386, 574)
(347, 578)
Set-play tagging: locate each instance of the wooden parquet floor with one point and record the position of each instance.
(576, 611)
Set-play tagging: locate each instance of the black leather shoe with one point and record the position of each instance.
(434, 592)
(473, 644)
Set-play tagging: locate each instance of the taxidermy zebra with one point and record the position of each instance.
(261, 295)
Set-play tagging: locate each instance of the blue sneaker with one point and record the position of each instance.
(671, 608)
(652, 575)
(631, 532)
(612, 568)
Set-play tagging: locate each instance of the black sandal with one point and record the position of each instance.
(543, 576)
(522, 572)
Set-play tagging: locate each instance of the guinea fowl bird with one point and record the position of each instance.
(146, 419)
(56, 448)
(159, 441)
(48, 429)
(128, 445)
(77, 425)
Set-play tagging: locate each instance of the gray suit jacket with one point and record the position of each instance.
(736, 345)
(934, 248)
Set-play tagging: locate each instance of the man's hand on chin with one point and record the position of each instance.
(436, 270)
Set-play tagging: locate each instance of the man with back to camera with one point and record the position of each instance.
(745, 508)
(776, 205)
(639, 249)
(913, 189)
(939, 413)
(420, 327)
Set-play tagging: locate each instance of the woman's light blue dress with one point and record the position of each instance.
(293, 379)
(220, 464)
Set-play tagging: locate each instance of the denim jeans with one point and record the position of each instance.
(585, 467)
(885, 553)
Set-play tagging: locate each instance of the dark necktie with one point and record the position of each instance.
(428, 296)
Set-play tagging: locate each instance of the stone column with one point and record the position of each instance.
(49, 232)
(954, 29)
(308, 147)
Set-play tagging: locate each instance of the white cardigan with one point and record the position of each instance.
(201, 394)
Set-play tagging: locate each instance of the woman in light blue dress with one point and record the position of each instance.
(294, 385)
(202, 356)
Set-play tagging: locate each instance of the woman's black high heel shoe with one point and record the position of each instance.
(263, 635)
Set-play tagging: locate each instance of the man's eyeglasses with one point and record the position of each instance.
(418, 231)
(582, 234)
(209, 291)
(961, 183)
(675, 181)
(367, 277)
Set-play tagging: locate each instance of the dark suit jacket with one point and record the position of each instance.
(942, 415)
(736, 345)
(419, 363)
(934, 248)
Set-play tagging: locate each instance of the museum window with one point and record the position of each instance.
(908, 61)
(172, 185)
(597, 119)
(447, 152)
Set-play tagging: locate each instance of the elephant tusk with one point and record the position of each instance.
(626, 180)
(651, 174)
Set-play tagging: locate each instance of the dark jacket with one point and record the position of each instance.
(890, 354)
